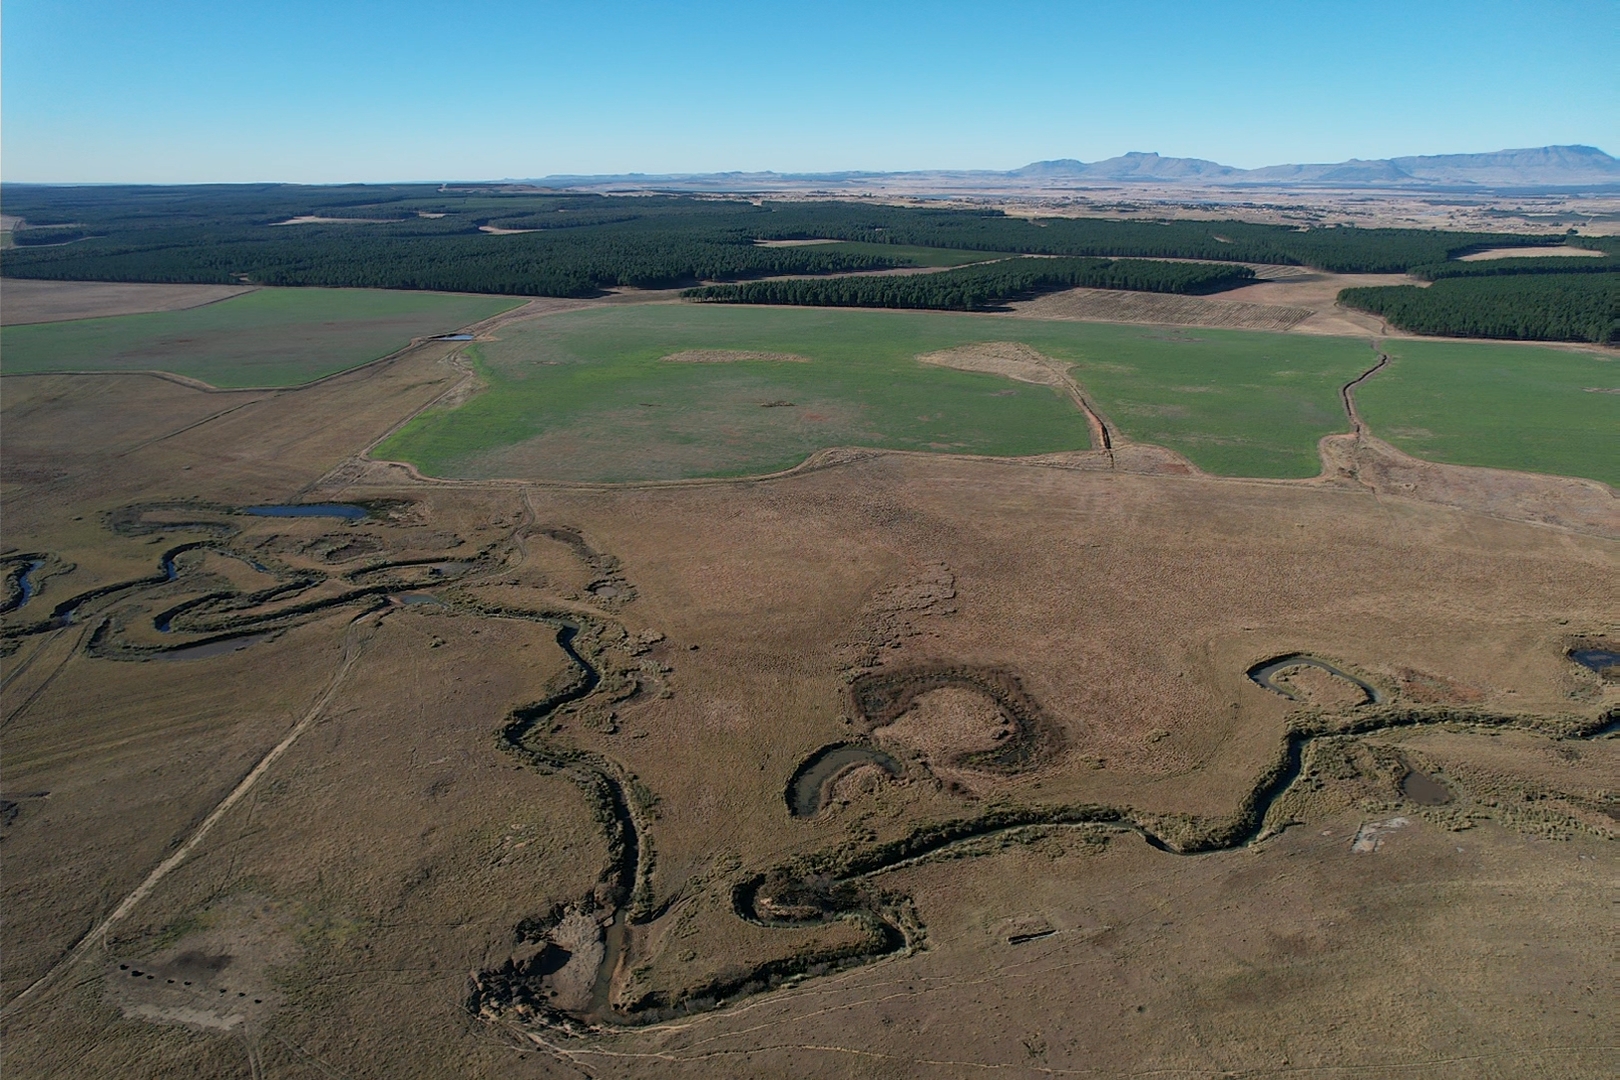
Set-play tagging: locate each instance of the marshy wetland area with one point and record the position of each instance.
(889, 694)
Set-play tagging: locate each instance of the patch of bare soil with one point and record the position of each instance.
(316, 219)
(218, 976)
(731, 356)
(890, 615)
(1319, 292)
(1011, 359)
(1551, 251)
(23, 301)
(792, 243)
(1114, 305)
(560, 960)
(1314, 289)
(496, 230)
(1583, 505)
(1152, 460)
(471, 385)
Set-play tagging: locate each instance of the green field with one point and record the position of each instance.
(586, 396)
(270, 337)
(1506, 406)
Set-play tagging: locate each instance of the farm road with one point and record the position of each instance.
(353, 646)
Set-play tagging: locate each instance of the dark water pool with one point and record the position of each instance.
(1595, 659)
(805, 789)
(346, 511)
(26, 586)
(1424, 789)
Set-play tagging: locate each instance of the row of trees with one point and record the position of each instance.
(982, 286)
(1525, 307)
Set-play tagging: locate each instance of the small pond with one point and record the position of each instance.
(346, 511)
(1424, 789)
(1595, 659)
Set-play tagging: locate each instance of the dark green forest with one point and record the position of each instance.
(984, 285)
(1523, 307)
(1508, 267)
(424, 236)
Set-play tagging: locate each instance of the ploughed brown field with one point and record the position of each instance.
(498, 778)
(23, 301)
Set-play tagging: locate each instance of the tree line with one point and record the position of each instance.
(982, 286)
(1556, 264)
(1523, 307)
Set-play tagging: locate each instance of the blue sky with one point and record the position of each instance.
(227, 90)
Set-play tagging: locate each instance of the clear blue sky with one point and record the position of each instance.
(236, 90)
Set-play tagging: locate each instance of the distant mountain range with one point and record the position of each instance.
(1561, 167)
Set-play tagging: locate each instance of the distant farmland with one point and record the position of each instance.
(270, 337)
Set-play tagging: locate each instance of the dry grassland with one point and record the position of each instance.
(23, 301)
(538, 725)
(1286, 299)
(1009, 358)
(1112, 305)
(1530, 252)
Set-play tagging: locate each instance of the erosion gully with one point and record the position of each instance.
(816, 888)
(838, 885)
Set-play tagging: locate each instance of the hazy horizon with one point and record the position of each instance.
(196, 93)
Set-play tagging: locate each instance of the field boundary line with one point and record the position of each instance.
(161, 311)
(189, 427)
(482, 326)
(210, 388)
(98, 935)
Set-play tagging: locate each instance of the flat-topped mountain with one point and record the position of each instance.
(1535, 167)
